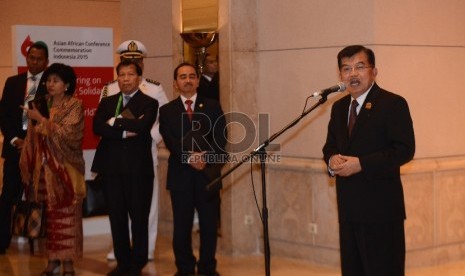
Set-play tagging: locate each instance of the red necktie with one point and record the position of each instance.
(352, 115)
(189, 109)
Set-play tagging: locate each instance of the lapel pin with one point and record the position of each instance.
(201, 105)
(368, 106)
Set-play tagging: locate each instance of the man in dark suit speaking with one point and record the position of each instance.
(193, 128)
(124, 160)
(370, 135)
(18, 90)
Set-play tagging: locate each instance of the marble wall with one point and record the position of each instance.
(435, 203)
(301, 196)
(435, 200)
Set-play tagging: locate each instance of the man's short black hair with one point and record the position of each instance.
(185, 64)
(351, 50)
(40, 45)
(128, 62)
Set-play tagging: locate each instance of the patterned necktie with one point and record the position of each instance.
(352, 115)
(31, 92)
(189, 109)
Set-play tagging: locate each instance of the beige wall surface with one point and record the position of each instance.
(419, 46)
(420, 50)
(150, 22)
(75, 13)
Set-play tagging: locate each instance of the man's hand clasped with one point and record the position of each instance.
(343, 165)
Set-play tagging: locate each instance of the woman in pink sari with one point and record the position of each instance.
(52, 164)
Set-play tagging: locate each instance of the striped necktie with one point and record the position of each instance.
(31, 92)
(126, 100)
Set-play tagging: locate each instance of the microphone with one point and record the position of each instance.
(340, 87)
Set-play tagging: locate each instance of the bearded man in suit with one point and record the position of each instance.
(194, 130)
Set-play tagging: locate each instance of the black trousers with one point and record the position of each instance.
(207, 205)
(372, 249)
(12, 191)
(129, 195)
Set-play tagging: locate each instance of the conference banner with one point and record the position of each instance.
(88, 50)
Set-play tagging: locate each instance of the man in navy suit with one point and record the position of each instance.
(364, 152)
(194, 130)
(17, 89)
(124, 160)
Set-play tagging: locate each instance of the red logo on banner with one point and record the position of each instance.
(26, 44)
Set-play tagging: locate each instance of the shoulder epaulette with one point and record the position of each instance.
(152, 81)
(105, 88)
(105, 91)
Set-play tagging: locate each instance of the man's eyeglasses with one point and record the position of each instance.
(346, 70)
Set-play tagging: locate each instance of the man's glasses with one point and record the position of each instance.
(358, 68)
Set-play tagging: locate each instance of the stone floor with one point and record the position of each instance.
(18, 262)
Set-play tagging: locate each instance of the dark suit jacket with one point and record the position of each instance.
(383, 140)
(209, 89)
(11, 114)
(207, 133)
(115, 155)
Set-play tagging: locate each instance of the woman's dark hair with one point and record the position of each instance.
(65, 73)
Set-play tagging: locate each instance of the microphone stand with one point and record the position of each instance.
(261, 152)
